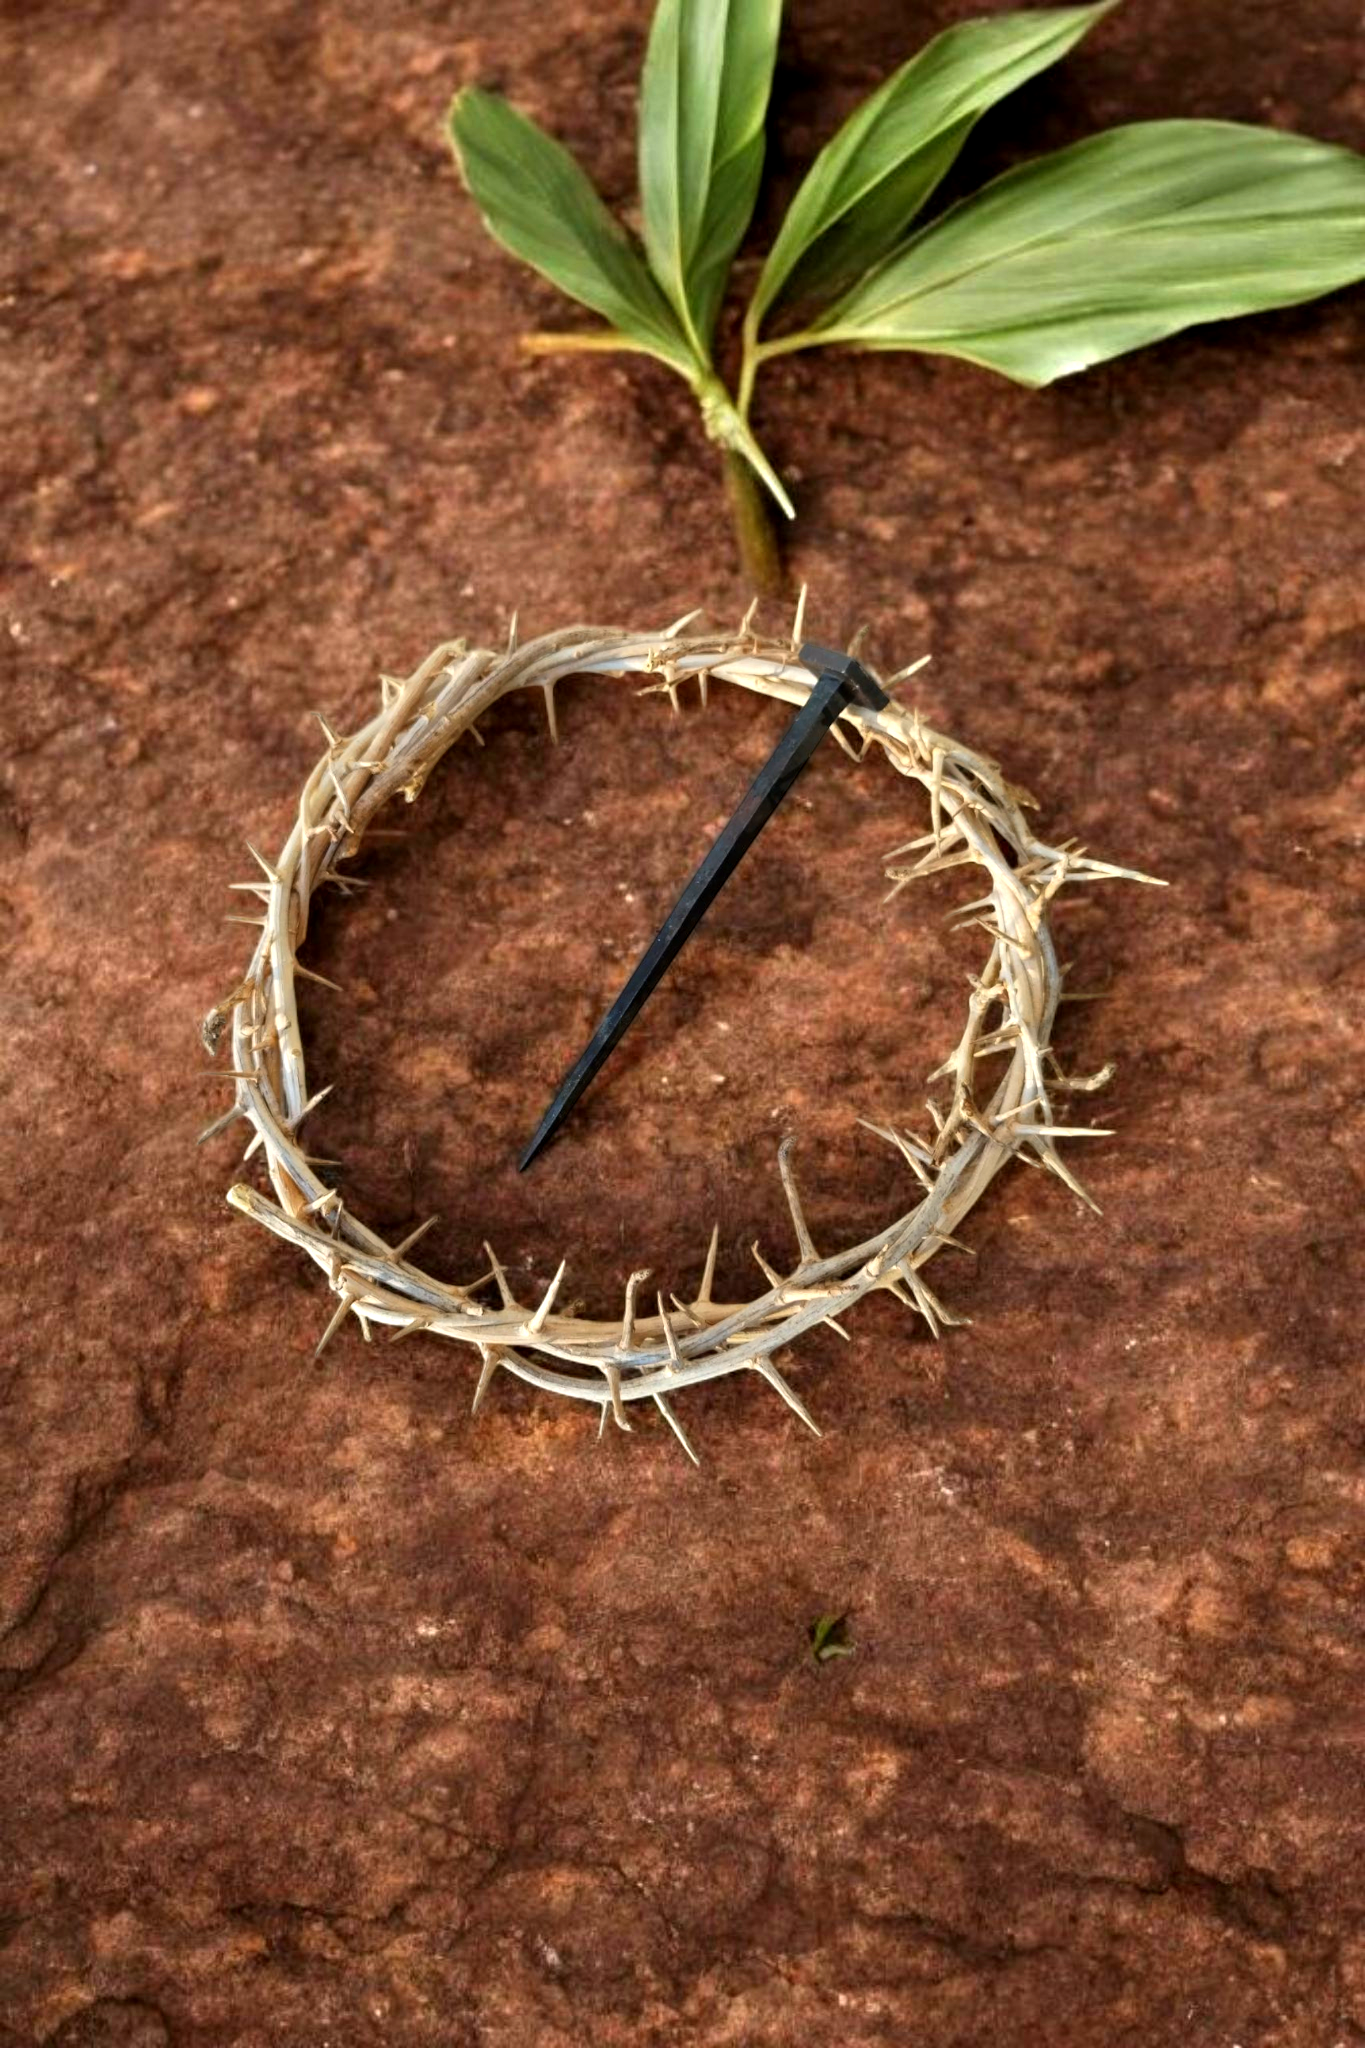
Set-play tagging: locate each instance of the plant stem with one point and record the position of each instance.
(758, 551)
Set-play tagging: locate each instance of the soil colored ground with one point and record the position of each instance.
(331, 1715)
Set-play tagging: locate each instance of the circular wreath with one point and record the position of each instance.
(976, 819)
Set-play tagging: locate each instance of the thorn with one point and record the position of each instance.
(1063, 1131)
(703, 1298)
(512, 635)
(1048, 1158)
(746, 624)
(259, 922)
(1024, 946)
(550, 718)
(671, 1419)
(271, 874)
(674, 1355)
(845, 744)
(509, 1299)
(672, 632)
(903, 1144)
(633, 1285)
(612, 1374)
(252, 889)
(911, 668)
(333, 739)
(537, 1321)
(400, 1250)
(406, 1329)
(855, 645)
(310, 974)
(943, 1237)
(838, 1328)
(792, 1399)
(601, 1420)
(342, 1308)
(809, 1255)
(220, 1124)
(937, 759)
(341, 794)
(311, 1104)
(773, 1279)
(799, 623)
(491, 1362)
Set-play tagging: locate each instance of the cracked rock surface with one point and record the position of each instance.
(330, 1715)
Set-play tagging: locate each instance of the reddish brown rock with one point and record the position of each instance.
(332, 1715)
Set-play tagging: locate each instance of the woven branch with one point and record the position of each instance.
(975, 820)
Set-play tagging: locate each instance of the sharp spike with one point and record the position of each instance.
(936, 760)
(612, 1374)
(551, 719)
(674, 1355)
(686, 1312)
(1048, 1158)
(310, 974)
(703, 1299)
(633, 1286)
(271, 874)
(774, 1279)
(400, 1250)
(512, 635)
(673, 632)
(220, 1124)
(310, 1105)
(671, 1419)
(799, 622)
(333, 739)
(341, 1310)
(407, 1329)
(491, 1362)
(809, 1255)
(911, 668)
(509, 1299)
(537, 1321)
(793, 1400)
(1064, 1131)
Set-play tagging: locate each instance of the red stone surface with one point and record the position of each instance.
(331, 1715)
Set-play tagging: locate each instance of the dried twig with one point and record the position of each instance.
(975, 818)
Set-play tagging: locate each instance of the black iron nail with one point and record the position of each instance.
(840, 680)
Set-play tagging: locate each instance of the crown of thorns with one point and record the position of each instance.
(975, 819)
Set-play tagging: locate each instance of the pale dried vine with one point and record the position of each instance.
(975, 819)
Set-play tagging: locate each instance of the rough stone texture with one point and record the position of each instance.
(331, 1715)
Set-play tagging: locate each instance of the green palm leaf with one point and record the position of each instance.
(703, 99)
(537, 202)
(870, 181)
(1114, 243)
